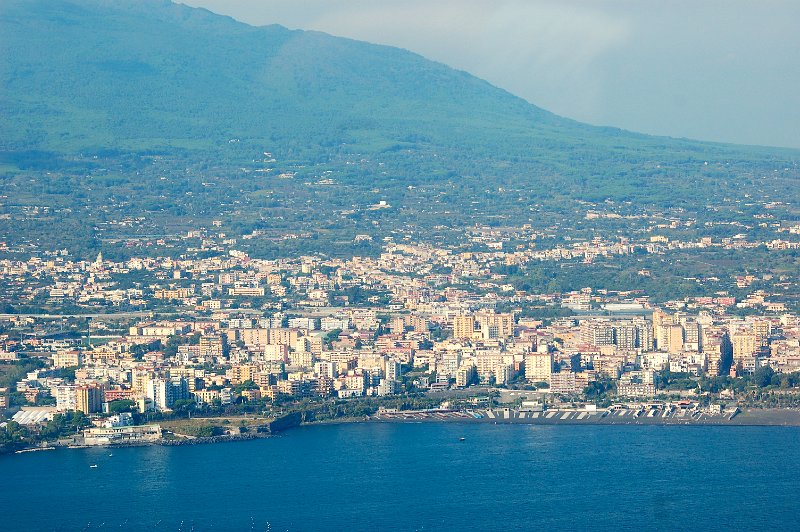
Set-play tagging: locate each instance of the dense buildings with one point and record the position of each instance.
(418, 318)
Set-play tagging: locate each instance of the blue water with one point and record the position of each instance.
(420, 477)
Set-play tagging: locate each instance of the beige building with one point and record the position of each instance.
(67, 359)
(493, 325)
(464, 375)
(464, 327)
(671, 338)
(564, 382)
(762, 330)
(65, 397)
(483, 325)
(539, 367)
(89, 398)
(745, 344)
(247, 291)
(173, 293)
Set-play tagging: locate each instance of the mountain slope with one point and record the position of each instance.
(138, 105)
(89, 74)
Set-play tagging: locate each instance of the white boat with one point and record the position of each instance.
(93, 465)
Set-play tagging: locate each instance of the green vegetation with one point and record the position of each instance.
(64, 425)
(204, 431)
(679, 273)
(671, 381)
(206, 427)
(10, 373)
(126, 122)
(15, 436)
(121, 405)
(364, 406)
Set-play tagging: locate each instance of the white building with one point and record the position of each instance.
(66, 397)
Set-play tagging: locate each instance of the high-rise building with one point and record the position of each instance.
(597, 333)
(451, 361)
(393, 370)
(164, 392)
(626, 336)
(563, 382)
(644, 333)
(326, 369)
(89, 398)
(502, 373)
(65, 397)
(539, 366)
(159, 391)
(67, 359)
(745, 344)
(762, 329)
(662, 327)
(693, 338)
(211, 346)
(674, 338)
(494, 325)
(180, 388)
(417, 323)
(464, 327)
(397, 324)
(465, 375)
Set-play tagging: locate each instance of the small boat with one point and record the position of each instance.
(112, 454)
(93, 465)
(462, 439)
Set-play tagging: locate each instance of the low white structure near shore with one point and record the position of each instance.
(121, 435)
(34, 415)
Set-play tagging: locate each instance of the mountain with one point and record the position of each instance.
(151, 75)
(111, 110)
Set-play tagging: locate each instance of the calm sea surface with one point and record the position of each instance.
(420, 477)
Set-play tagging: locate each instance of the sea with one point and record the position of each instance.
(420, 476)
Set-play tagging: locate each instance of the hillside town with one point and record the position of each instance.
(160, 336)
(216, 330)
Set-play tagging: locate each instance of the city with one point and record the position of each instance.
(399, 265)
(159, 340)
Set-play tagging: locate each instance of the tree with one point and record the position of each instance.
(183, 406)
(332, 336)
(13, 432)
(600, 387)
(17, 399)
(121, 405)
(762, 377)
(246, 385)
(65, 424)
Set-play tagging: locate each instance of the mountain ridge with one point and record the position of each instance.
(201, 19)
(154, 100)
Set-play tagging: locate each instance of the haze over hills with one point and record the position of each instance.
(112, 110)
(149, 75)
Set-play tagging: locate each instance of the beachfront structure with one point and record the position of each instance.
(121, 435)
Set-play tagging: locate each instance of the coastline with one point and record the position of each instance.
(751, 417)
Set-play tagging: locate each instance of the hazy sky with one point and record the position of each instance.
(726, 70)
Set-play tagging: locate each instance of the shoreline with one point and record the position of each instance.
(752, 417)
